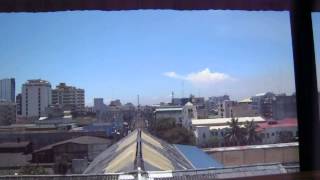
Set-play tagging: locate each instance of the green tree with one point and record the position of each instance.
(251, 135)
(234, 135)
(212, 142)
(167, 130)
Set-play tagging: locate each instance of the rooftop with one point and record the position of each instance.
(288, 122)
(169, 109)
(224, 121)
(79, 140)
(247, 100)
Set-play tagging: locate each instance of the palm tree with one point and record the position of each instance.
(234, 134)
(251, 135)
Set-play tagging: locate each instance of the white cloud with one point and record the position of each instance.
(171, 75)
(204, 77)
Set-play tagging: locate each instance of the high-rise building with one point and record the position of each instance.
(7, 113)
(19, 104)
(36, 97)
(71, 98)
(8, 89)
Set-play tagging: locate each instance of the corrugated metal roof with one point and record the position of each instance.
(104, 162)
(78, 140)
(197, 157)
(123, 156)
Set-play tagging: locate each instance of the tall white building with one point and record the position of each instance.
(7, 90)
(69, 97)
(36, 97)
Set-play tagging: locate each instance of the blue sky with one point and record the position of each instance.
(151, 53)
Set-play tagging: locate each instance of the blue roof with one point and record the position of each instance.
(197, 157)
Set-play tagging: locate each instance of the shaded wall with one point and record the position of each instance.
(256, 156)
(41, 139)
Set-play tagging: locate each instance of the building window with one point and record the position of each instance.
(204, 135)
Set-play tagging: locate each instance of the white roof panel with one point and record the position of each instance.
(223, 121)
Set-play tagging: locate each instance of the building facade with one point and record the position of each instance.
(280, 131)
(198, 102)
(71, 98)
(36, 97)
(175, 113)
(213, 103)
(19, 104)
(98, 105)
(262, 103)
(229, 109)
(7, 113)
(284, 107)
(8, 89)
(182, 115)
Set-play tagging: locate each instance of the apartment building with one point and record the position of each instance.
(36, 97)
(69, 97)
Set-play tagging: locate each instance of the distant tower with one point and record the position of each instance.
(172, 97)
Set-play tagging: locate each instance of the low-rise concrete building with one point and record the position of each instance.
(242, 108)
(76, 148)
(205, 129)
(7, 113)
(270, 131)
(170, 112)
(278, 131)
(182, 114)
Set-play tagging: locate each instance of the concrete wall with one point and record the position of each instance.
(289, 154)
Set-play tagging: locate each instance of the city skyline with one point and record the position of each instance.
(118, 55)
